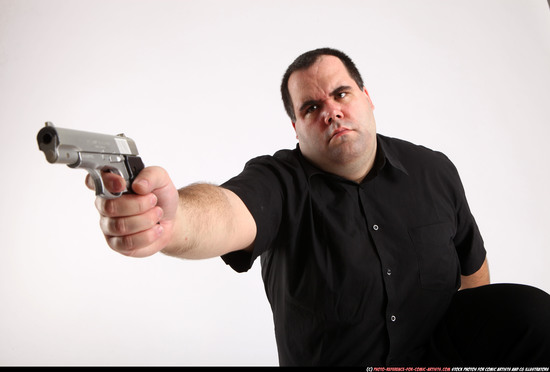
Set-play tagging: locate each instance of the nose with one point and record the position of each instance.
(333, 112)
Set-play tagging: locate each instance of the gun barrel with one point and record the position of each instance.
(61, 145)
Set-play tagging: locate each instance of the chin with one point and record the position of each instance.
(349, 151)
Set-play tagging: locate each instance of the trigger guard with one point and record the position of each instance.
(100, 189)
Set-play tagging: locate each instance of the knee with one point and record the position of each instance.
(501, 323)
(530, 306)
(515, 304)
(529, 318)
(525, 303)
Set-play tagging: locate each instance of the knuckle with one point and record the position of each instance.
(104, 225)
(132, 253)
(155, 216)
(136, 245)
(127, 242)
(112, 242)
(99, 205)
(119, 226)
(140, 206)
(120, 244)
(110, 207)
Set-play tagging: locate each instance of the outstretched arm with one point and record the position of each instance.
(198, 221)
(211, 221)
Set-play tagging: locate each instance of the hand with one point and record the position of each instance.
(140, 224)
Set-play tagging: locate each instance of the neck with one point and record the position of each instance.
(355, 169)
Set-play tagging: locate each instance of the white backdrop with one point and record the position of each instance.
(196, 85)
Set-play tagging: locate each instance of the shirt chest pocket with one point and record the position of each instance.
(437, 258)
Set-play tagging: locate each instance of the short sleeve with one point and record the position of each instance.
(468, 240)
(260, 187)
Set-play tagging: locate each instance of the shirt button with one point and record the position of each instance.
(388, 272)
(375, 227)
(393, 318)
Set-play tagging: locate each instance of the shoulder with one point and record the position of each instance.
(282, 158)
(403, 147)
(281, 170)
(283, 163)
(413, 156)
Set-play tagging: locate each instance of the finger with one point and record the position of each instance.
(126, 205)
(121, 226)
(89, 182)
(142, 244)
(112, 182)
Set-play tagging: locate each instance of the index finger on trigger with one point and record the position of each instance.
(112, 182)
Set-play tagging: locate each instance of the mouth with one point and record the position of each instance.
(339, 132)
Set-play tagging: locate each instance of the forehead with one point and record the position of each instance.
(325, 75)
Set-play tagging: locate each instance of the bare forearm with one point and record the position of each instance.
(477, 279)
(211, 221)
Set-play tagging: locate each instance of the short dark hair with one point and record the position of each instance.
(305, 61)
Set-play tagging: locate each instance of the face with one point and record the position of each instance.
(335, 124)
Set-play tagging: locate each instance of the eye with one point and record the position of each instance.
(311, 109)
(342, 94)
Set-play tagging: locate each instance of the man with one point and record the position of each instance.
(364, 240)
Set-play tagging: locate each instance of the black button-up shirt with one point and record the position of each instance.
(358, 274)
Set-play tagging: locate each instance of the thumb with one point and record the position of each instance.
(151, 179)
(157, 181)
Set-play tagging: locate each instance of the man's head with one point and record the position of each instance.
(331, 112)
(305, 61)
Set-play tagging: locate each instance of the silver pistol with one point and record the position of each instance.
(94, 152)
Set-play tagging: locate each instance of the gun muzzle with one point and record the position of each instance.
(48, 142)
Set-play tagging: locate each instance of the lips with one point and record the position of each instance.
(339, 132)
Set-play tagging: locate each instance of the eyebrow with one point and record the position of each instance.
(335, 92)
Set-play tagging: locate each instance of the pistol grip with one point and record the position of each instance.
(134, 165)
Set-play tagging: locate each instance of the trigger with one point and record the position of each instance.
(100, 189)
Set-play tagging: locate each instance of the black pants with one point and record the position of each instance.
(503, 325)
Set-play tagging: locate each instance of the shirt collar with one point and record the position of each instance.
(385, 154)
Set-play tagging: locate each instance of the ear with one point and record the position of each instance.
(368, 96)
(294, 126)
